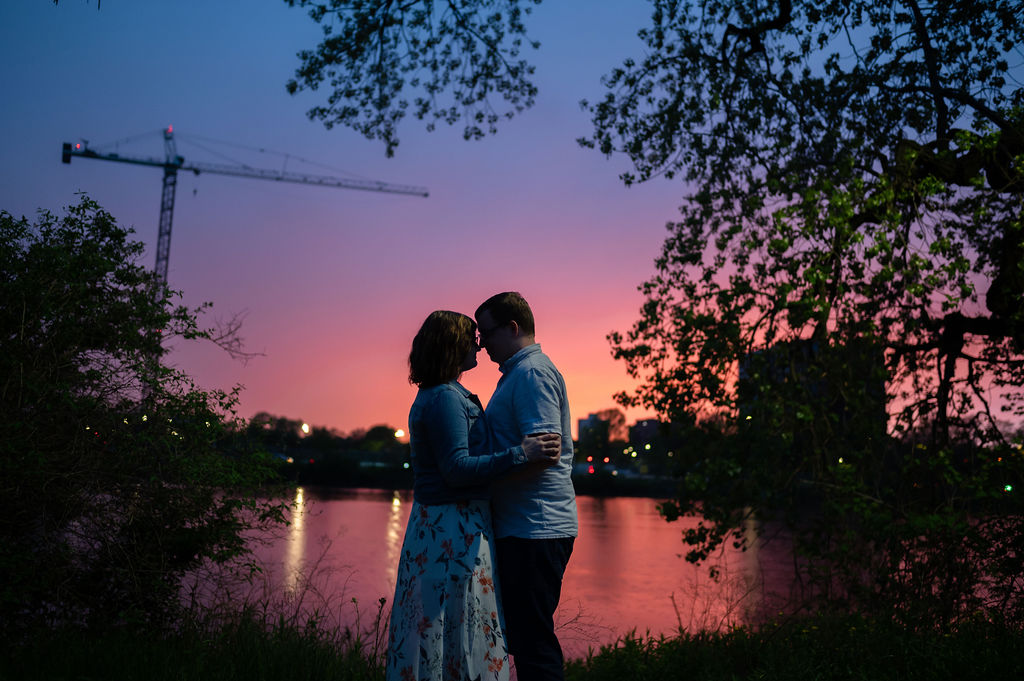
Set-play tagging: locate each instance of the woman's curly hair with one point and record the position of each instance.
(440, 347)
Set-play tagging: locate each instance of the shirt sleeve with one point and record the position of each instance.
(450, 435)
(538, 402)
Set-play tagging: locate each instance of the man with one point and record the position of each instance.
(534, 515)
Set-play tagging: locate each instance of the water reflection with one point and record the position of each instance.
(296, 543)
(393, 536)
(627, 570)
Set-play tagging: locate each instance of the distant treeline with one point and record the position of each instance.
(376, 457)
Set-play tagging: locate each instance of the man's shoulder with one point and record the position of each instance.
(534, 359)
(534, 373)
(536, 379)
(539, 367)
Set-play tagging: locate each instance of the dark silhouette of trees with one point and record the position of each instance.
(848, 266)
(616, 419)
(440, 62)
(601, 431)
(117, 475)
(311, 454)
(848, 269)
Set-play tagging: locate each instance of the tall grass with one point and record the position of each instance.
(247, 649)
(235, 624)
(255, 630)
(805, 649)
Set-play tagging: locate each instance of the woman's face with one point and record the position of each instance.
(474, 347)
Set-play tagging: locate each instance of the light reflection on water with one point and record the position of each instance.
(626, 572)
(295, 543)
(394, 536)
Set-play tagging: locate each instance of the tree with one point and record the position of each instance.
(856, 175)
(379, 438)
(617, 430)
(838, 307)
(451, 55)
(119, 476)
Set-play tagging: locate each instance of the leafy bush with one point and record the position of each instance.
(117, 474)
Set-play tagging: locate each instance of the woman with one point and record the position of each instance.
(445, 619)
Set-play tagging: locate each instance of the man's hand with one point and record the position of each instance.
(545, 448)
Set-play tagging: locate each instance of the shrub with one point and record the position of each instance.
(118, 474)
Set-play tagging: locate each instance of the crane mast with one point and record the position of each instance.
(172, 163)
(163, 242)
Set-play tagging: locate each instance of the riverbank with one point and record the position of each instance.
(252, 649)
(597, 485)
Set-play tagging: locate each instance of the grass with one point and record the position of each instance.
(232, 628)
(264, 633)
(242, 649)
(251, 649)
(830, 649)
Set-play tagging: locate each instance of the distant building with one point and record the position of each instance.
(591, 427)
(644, 431)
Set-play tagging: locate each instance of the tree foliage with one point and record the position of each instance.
(856, 175)
(845, 283)
(452, 56)
(118, 474)
(837, 315)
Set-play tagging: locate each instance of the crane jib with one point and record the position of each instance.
(173, 162)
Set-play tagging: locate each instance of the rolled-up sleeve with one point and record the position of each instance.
(537, 403)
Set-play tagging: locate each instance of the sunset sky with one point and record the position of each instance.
(335, 282)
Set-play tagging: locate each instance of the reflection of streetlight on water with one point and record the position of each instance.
(394, 535)
(296, 543)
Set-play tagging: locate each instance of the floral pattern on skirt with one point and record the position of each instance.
(446, 623)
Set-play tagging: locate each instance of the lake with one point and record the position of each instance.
(627, 570)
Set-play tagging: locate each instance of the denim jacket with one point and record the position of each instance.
(451, 456)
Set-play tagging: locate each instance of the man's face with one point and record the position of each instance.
(498, 341)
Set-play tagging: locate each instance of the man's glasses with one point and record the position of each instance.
(482, 334)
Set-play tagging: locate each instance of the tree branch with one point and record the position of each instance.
(752, 34)
(931, 59)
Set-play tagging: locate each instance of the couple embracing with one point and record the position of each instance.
(494, 511)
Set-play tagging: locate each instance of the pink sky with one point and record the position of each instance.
(336, 282)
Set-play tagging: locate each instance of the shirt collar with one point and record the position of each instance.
(462, 390)
(515, 359)
(459, 388)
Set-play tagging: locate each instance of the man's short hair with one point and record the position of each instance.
(509, 307)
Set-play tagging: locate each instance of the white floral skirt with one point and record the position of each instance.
(446, 624)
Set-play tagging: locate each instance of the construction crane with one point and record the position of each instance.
(172, 163)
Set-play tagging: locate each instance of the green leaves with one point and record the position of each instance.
(823, 276)
(854, 177)
(118, 474)
(440, 62)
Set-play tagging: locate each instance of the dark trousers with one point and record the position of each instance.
(530, 574)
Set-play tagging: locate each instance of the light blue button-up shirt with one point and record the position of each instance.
(452, 457)
(531, 398)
